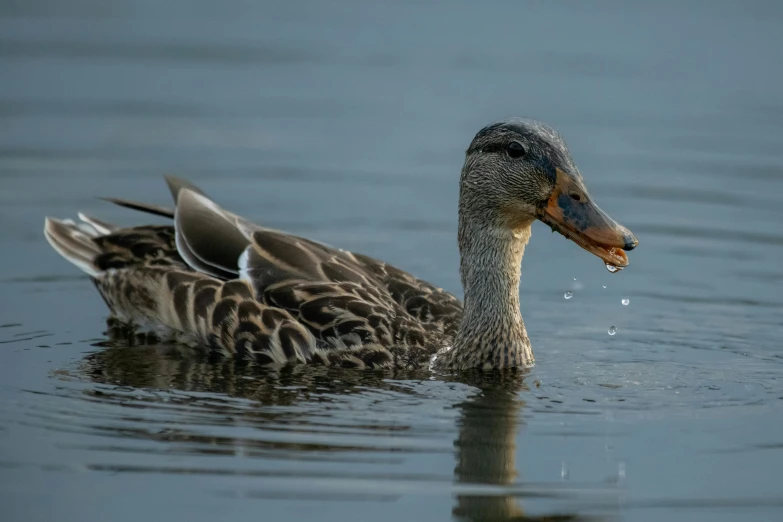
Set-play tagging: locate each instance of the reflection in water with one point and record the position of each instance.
(185, 369)
(485, 447)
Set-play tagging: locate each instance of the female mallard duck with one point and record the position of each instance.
(215, 279)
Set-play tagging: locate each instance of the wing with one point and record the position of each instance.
(424, 301)
(222, 244)
(358, 322)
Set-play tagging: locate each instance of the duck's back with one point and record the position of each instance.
(216, 280)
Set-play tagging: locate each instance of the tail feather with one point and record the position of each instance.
(149, 208)
(74, 243)
(99, 227)
(176, 185)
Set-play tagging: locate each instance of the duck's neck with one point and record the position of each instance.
(492, 334)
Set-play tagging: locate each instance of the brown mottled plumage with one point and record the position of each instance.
(215, 280)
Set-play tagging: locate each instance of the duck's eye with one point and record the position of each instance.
(515, 149)
(576, 196)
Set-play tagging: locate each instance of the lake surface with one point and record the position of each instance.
(347, 122)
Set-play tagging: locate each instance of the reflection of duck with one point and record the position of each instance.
(173, 367)
(486, 446)
(258, 294)
(486, 449)
(304, 398)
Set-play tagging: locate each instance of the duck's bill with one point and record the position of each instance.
(581, 221)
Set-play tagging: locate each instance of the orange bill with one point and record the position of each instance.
(571, 212)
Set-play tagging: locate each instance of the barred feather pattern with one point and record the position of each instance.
(200, 310)
(287, 300)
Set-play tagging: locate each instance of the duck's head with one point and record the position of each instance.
(519, 170)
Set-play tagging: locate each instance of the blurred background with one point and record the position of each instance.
(347, 121)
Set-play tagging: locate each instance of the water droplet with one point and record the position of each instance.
(574, 279)
(568, 295)
(612, 330)
(621, 470)
(604, 286)
(626, 301)
(564, 473)
(613, 269)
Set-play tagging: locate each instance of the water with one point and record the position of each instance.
(625, 301)
(568, 295)
(348, 124)
(612, 330)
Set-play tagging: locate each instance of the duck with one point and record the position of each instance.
(217, 281)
